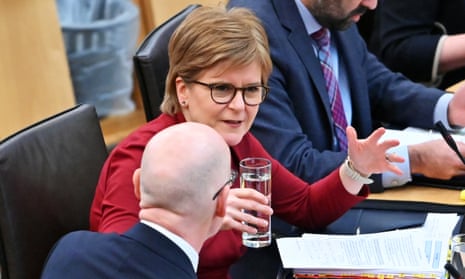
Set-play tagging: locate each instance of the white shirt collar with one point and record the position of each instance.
(184, 245)
(311, 25)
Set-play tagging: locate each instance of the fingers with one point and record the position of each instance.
(393, 168)
(250, 222)
(370, 155)
(246, 210)
(373, 139)
(386, 144)
(250, 194)
(351, 135)
(376, 135)
(393, 158)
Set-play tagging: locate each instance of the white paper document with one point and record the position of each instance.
(413, 251)
(412, 135)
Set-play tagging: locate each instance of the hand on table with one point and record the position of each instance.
(456, 109)
(435, 159)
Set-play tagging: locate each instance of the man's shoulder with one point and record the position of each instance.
(268, 14)
(84, 238)
(78, 246)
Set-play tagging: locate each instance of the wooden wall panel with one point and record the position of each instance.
(161, 10)
(34, 76)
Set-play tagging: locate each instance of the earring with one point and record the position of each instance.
(183, 103)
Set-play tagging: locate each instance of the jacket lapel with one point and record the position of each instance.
(353, 55)
(302, 43)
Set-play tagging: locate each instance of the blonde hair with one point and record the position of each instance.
(212, 35)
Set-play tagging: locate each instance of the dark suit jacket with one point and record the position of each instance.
(294, 123)
(139, 253)
(406, 33)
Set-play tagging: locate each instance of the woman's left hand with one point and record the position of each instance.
(371, 155)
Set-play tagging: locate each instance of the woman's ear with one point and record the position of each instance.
(181, 90)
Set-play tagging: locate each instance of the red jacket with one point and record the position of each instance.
(115, 207)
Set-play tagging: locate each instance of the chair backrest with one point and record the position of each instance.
(48, 174)
(151, 63)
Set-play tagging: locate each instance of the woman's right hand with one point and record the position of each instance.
(248, 199)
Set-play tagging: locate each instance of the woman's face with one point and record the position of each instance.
(232, 120)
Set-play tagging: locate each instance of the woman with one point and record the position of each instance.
(219, 65)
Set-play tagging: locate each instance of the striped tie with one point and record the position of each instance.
(337, 109)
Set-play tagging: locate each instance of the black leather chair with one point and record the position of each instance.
(48, 174)
(151, 63)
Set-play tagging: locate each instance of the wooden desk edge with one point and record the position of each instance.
(420, 194)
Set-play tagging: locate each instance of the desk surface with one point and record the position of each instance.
(420, 193)
(456, 86)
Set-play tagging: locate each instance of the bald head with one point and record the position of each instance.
(182, 167)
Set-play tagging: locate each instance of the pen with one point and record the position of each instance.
(453, 271)
(449, 140)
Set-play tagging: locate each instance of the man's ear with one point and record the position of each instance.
(221, 204)
(136, 182)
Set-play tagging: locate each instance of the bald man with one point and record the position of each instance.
(182, 186)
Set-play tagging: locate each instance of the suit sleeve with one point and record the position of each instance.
(407, 44)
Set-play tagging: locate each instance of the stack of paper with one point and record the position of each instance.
(410, 253)
(413, 135)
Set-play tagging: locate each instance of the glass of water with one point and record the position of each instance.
(255, 173)
(458, 253)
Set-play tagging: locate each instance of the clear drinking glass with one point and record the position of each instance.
(255, 173)
(458, 253)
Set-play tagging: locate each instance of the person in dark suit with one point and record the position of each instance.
(182, 185)
(295, 123)
(423, 39)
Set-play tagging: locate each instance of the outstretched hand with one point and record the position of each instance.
(371, 155)
(367, 156)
